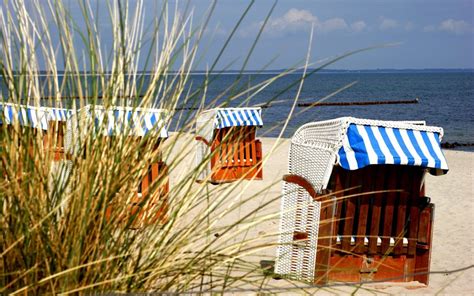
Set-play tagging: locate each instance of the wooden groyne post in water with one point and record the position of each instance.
(360, 103)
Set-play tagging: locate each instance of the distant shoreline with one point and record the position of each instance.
(279, 71)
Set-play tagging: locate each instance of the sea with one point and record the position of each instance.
(445, 99)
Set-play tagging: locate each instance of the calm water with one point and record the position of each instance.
(445, 99)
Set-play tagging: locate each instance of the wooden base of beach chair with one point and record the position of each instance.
(376, 225)
(145, 209)
(236, 154)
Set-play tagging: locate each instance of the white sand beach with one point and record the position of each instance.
(453, 242)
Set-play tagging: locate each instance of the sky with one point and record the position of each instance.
(429, 33)
(426, 33)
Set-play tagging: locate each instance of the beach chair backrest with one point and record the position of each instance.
(235, 147)
(378, 209)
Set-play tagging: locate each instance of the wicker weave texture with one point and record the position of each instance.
(299, 214)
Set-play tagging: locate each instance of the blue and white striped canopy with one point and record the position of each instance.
(35, 117)
(227, 117)
(25, 115)
(58, 114)
(130, 121)
(367, 144)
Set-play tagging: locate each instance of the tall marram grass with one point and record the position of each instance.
(55, 236)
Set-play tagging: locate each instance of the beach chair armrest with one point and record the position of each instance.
(301, 181)
(202, 139)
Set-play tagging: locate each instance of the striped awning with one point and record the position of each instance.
(365, 145)
(35, 117)
(57, 114)
(24, 115)
(129, 121)
(227, 117)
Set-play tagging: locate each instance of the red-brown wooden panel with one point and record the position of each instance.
(393, 175)
(415, 200)
(400, 230)
(354, 181)
(247, 153)
(241, 154)
(325, 231)
(423, 251)
(380, 172)
(339, 194)
(368, 180)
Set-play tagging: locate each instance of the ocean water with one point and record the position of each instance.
(445, 99)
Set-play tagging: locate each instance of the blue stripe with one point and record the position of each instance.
(401, 142)
(231, 118)
(375, 145)
(424, 160)
(426, 139)
(10, 113)
(357, 144)
(251, 117)
(343, 158)
(396, 158)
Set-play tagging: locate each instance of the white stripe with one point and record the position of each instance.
(424, 148)
(163, 131)
(110, 122)
(396, 145)
(148, 124)
(231, 118)
(241, 117)
(34, 122)
(373, 159)
(409, 144)
(23, 114)
(350, 155)
(437, 150)
(382, 145)
(252, 116)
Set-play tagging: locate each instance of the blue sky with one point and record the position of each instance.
(433, 34)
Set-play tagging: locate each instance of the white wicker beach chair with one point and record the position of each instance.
(323, 155)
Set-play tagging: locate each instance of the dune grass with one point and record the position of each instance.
(59, 234)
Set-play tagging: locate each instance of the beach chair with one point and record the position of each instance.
(354, 207)
(227, 136)
(112, 123)
(49, 121)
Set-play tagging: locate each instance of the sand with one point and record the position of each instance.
(453, 239)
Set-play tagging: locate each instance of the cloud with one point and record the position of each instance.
(452, 26)
(297, 20)
(388, 24)
(293, 19)
(332, 25)
(455, 26)
(358, 26)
